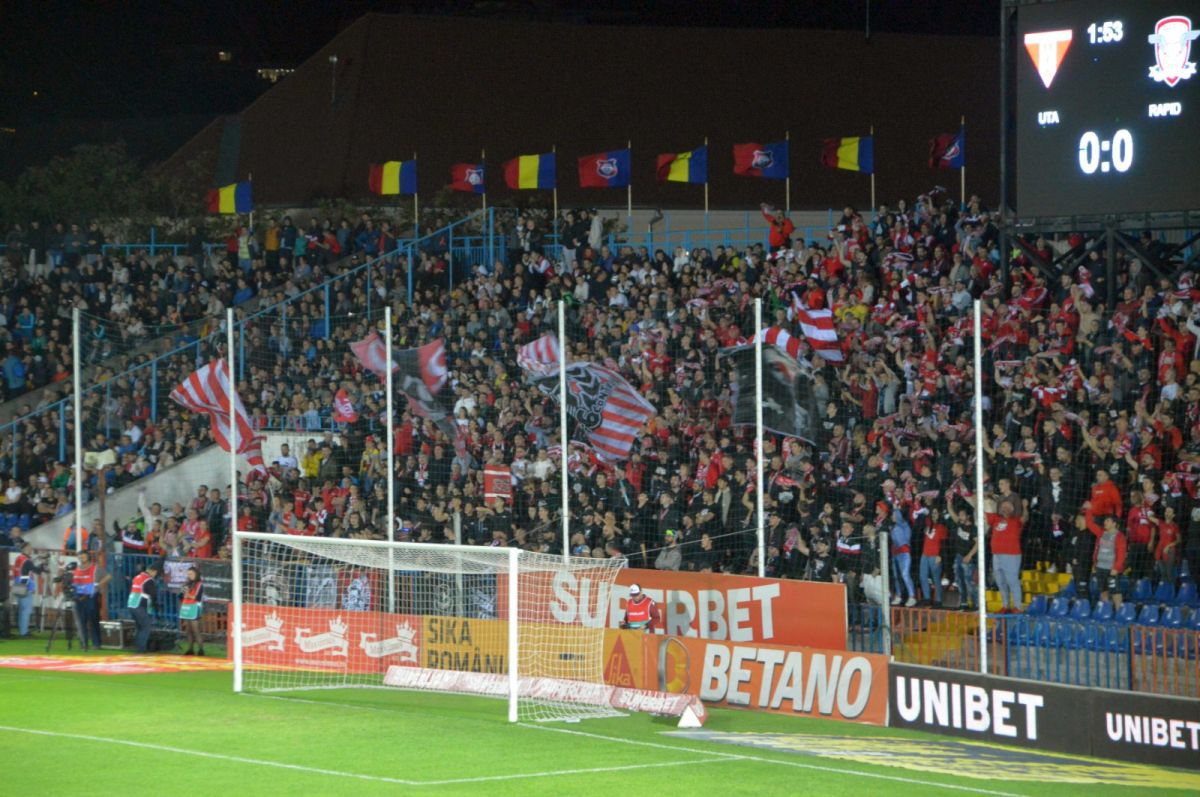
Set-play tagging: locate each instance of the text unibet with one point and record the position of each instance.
(971, 708)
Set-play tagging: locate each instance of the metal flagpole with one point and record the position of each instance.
(706, 183)
(885, 575)
(562, 429)
(758, 437)
(962, 170)
(416, 204)
(389, 441)
(980, 525)
(872, 134)
(554, 154)
(483, 163)
(234, 444)
(77, 395)
(787, 202)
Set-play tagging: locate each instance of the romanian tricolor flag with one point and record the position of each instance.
(531, 171)
(856, 154)
(233, 198)
(683, 167)
(393, 177)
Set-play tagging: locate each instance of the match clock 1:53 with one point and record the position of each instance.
(1100, 154)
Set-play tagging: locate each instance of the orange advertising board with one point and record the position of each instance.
(799, 681)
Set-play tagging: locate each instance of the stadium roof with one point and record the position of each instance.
(445, 87)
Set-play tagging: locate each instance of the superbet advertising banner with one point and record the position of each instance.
(714, 606)
(797, 681)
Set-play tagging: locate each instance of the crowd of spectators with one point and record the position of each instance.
(1091, 412)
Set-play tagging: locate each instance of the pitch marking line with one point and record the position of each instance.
(721, 759)
(797, 764)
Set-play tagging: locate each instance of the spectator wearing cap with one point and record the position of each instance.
(670, 557)
(641, 612)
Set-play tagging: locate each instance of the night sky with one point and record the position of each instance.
(148, 72)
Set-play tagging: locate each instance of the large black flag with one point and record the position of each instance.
(788, 404)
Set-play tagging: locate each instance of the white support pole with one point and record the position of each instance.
(980, 518)
(562, 431)
(885, 574)
(390, 442)
(235, 623)
(514, 672)
(760, 523)
(77, 395)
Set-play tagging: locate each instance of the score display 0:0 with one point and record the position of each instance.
(1096, 153)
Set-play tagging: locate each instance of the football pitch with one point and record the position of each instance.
(67, 729)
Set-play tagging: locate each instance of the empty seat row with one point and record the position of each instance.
(10, 519)
(1082, 610)
(1143, 591)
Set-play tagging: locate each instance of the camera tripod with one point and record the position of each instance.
(60, 623)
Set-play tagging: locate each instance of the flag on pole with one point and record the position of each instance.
(372, 353)
(817, 326)
(232, 198)
(541, 356)
(605, 169)
(393, 178)
(789, 403)
(467, 177)
(531, 171)
(683, 167)
(207, 391)
(343, 407)
(606, 411)
(947, 151)
(856, 154)
(424, 379)
(761, 160)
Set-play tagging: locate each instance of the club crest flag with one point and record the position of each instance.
(761, 160)
(605, 169)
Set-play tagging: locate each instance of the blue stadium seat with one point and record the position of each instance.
(1165, 593)
(1081, 609)
(1059, 607)
(1173, 617)
(1094, 588)
(25, 521)
(1148, 615)
(1193, 622)
(1142, 591)
(1187, 595)
(1126, 614)
(1103, 613)
(1185, 571)
(1045, 633)
(1037, 606)
(1116, 638)
(1086, 636)
(1068, 591)
(7, 520)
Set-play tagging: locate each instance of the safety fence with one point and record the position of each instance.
(1132, 657)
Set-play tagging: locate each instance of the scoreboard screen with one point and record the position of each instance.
(1108, 107)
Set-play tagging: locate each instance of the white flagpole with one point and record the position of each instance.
(962, 170)
(873, 169)
(980, 525)
(554, 154)
(758, 437)
(77, 395)
(235, 623)
(389, 441)
(562, 430)
(787, 202)
(629, 192)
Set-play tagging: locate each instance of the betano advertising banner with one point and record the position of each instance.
(796, 681)
(714, 606)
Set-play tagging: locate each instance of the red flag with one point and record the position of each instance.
(343, 408)
(817, 326)
(207, 391)
(372, 353)
(467, 177)
(541, 356)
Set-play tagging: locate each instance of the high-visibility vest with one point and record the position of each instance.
(84, 580)
(18, 563)
(638, 614)
(191, 593)
(69, 539)
(137, 590)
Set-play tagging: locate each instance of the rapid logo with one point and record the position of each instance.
(1047, 49)
(607, 168)
(1172, 40)
(958, 758)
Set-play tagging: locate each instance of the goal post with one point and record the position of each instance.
(327, 613)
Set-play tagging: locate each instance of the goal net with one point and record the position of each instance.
(318, 613)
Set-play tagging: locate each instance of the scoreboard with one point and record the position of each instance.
(1108, 107)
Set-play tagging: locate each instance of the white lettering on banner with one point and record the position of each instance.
(835, 684)
(577, 598)
(951, 705)
(334, 640)
(401, 644)
(680, 612)
(1154, 731)
(271, 633)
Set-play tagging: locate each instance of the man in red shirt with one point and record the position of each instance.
(1166, 551)
(641, 612)
(1004, 530)
(781, 228)
(1105, 497)
(931, 558)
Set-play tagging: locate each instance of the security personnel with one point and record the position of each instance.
(24, 581)
(143, 592)
(641, 612)
(69, 540)
(89, 581)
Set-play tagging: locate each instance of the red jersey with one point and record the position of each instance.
(934, 536)
(642, 613)
(1168, 533)
(1005, 533)
(1106, 499)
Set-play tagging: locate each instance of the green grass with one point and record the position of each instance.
(413, 739)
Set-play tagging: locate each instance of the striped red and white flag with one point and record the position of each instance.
(343, 407)
(782, 339)
(372, 353)
(608, 412)
(817, 326)
(540, 358)
(207, 391)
